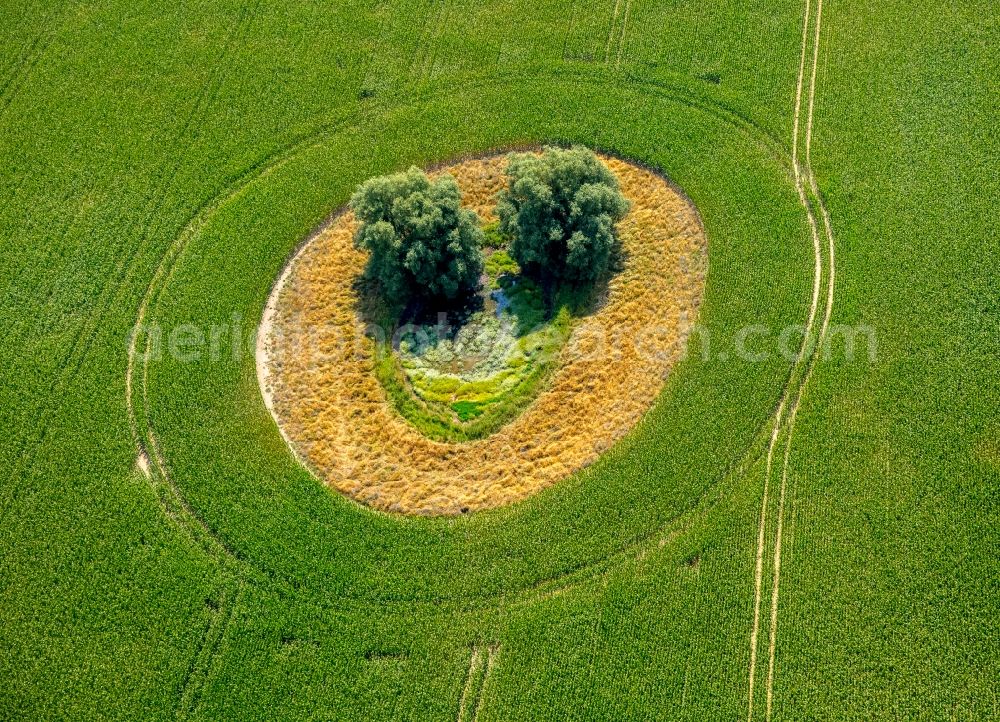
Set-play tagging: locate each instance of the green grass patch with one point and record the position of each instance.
(466, 383)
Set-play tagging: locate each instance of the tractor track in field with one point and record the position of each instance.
(231, 587)
(821, 341)
(481, 661)
(202, 665)
(175, 505)
(779, 418)
(626, 16)
(422, 65)
(785, 423)
(491, 659)
(612, 26)
(468, 692)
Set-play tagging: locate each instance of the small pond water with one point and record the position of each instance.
(501, 300)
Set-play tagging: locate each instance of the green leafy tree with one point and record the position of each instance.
(560, 208)
(422, 242)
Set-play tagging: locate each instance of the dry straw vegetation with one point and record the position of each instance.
(335, 414)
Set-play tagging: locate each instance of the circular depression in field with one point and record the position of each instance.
(315, 362)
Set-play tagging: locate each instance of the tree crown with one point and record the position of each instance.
(560, 208)
(422, 242)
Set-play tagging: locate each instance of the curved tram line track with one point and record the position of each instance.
(785, 422)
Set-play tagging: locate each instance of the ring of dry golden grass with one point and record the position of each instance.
(334, 413)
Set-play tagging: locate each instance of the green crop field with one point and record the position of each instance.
(806, 523)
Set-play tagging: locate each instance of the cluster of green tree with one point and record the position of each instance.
(559, 208)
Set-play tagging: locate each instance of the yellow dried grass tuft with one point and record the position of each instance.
(335, 414)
